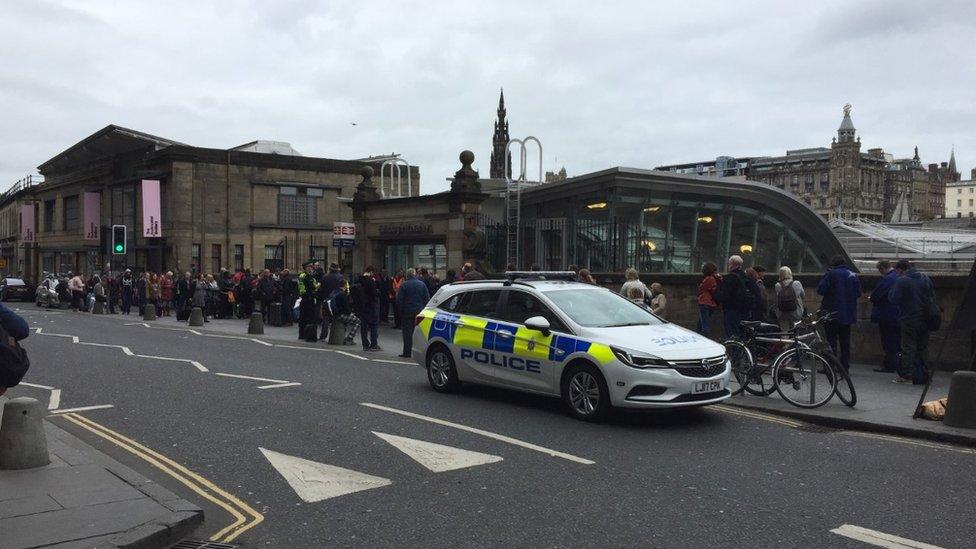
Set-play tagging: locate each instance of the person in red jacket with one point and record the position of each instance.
(706, 298)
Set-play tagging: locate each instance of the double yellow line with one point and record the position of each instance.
(244, 516)
(756, 415)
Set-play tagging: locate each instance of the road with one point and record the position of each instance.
(484, 467)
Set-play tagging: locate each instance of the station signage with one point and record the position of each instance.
(401, 229)
(343, 235)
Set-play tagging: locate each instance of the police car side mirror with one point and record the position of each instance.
(538, 323)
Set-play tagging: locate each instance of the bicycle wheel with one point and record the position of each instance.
(741, 360)
(804, 378)
(845, 386)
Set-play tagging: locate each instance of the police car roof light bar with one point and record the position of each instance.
(540, 275)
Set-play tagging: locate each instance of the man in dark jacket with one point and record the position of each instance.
(127, 283)
(734, 297)
(912, 293)
(14, 325)
(840, 289)
(885, 315)
(329, 285)
(264, 293)
(410, 300)
(289, 293)
(307, 309)
(365, 299)
(383, 286)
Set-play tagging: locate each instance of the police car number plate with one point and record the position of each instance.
(706, 386)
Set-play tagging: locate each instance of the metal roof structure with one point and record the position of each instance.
(946, 249)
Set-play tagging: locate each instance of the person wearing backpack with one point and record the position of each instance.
(14, 363)
(735, 298)
(840, 289)
(789, 299)
(918, 314)
(885, 314)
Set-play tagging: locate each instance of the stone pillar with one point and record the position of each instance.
(366, 193)
(465, 242)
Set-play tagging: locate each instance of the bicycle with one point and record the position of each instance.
(809, 332)
(752, 356)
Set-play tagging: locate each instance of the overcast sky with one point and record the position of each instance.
(636, 84)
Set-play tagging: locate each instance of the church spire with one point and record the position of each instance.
(501, 104)
(499, 141)
(952, 160)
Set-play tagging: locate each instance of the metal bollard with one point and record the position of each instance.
(337, 332)
(256, 324)
(196, 317)
(23, 444)
(275, 315)
(150, 312)
(961, 406)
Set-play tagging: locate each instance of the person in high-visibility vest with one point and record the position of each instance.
(395, 282)
(307, 310)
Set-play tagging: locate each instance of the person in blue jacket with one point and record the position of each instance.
(884, 313)
(840, 289)
(912, 293)
(15, 325)
(410, 300)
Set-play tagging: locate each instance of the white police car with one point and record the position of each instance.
(543, 333)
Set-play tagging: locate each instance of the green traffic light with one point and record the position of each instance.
(118, 248)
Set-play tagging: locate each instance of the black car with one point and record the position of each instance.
(16, 289)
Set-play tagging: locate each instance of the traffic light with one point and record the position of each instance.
(118, 240)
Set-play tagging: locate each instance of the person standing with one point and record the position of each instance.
(289, 294)
(126, 283)
(113, 292)
(914, 296)
(758, 293)
(789, 296)
(306, 292)
(330, 285)
(659, 302)
(395, 284)
(364, 300)
(840, 289)
(98, 290)
(166, 292)
(706, 298)
(585, 277)
(342, 311)
(264, 293)
(734, 296)
(200, 288)
(77, 287)
(633, 281)
(184, 292)
(885, 314)
(139, 293)
(410, 300)
(383, 286)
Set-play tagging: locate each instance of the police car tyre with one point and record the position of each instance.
(585, 392)
(441, 372)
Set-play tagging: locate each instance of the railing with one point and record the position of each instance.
(21, 184)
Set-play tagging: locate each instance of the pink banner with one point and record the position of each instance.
(27, 223)
(152, 224)
(93, 214)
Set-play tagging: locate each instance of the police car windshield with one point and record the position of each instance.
(600, 308)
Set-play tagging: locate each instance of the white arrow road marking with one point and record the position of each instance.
(239, 376)
(123, 347)
(489, 434)
(54, 401)
(74, 339)
(280, 385)
(314, 481)
(437, 457)
(352, 355)
(196, 364)
(82, 409)
(880, 539)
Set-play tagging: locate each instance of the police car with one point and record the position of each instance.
(542, 332)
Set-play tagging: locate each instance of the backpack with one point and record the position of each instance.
(786, 301)
(13, 360)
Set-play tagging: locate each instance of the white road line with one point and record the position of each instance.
(239, 376)
(194, 332)
(394, 361)
(261, 342)
(55, 400)
(483, 433)
(38, 330)
(144, 324)
(124, 349)
(82, 409)
(290, 384)
(225, 336)
(37, 386)
(196, 364)
(74, 339)
(303, 348)
(880, 539)
(352, 355)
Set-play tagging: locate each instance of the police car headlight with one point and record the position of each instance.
(639, 360)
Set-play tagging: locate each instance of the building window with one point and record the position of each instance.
(239, 257)
(317, 253)
(958, 191)
(71, 222)
(970, 190)
(215, 258)
(297, 206)
(195, 258)
(274, 256)
(959, 203)
(48, 216)
(970, 202)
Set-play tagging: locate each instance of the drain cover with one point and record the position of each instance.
(198, 544)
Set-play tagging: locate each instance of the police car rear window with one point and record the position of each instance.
(600, 308)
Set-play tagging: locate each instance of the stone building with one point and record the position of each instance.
(907, 186)
(499, 140)
(13, 260)
(939, 176)
(960, 198)
(254, 206)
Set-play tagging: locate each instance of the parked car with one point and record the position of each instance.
(16, 289)
(47, 293)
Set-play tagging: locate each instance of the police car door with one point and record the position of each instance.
(475, 334)
(531, 360)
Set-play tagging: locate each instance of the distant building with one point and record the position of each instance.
(499, 141)
(552, 177)
(840, 181)
(960, 198)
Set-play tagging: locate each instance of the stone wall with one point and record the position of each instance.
(682, 293)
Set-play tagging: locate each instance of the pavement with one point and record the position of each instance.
(86, 499)
(288, 444)
(882, 407)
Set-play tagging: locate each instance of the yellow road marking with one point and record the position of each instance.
(185, 476)
(892, 438)
(756, 415)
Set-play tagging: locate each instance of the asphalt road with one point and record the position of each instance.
(694, 478)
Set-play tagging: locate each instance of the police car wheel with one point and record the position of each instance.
(585, 392)
(441, 372)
